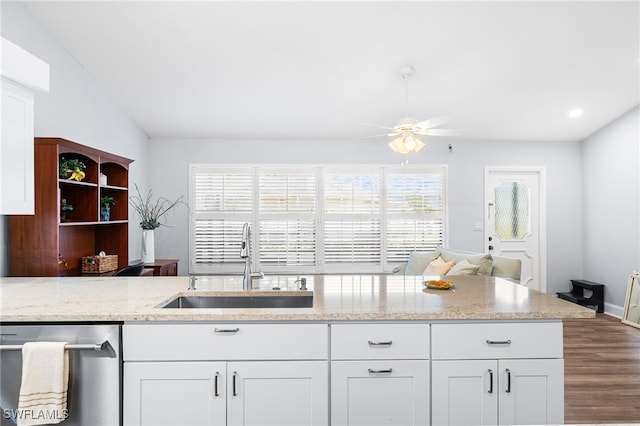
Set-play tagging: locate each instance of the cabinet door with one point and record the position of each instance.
(531, 391)
(174, 393)
(16, 150)
(292, 393)
(464, 392)
(370, 393)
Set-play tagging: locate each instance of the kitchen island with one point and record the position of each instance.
(336, 297)
(371, 349)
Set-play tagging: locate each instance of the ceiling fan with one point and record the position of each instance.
(405, 131)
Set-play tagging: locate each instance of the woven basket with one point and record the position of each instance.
(99, 264)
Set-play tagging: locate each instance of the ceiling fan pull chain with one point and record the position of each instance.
(406, 95)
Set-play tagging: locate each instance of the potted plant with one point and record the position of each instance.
(105, 207)
(152, 215)
(72, 169)
(65, 209)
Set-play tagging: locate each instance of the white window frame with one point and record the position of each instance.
(320, 170)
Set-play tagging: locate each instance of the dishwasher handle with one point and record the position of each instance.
(103, 346)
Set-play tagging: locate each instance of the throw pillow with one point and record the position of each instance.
(418, 262)
(438, 267)
(464, 268)
(484, 261)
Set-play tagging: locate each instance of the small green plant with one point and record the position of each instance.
(107, 201)
(70, 166)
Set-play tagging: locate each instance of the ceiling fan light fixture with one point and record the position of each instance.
(404, 135)
(405, 143)
(397, 146)
(419, 145)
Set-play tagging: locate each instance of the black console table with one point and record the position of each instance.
(576, 295)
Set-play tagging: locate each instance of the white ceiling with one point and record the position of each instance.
(309, 70)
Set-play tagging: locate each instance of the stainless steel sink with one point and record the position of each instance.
(243, 301)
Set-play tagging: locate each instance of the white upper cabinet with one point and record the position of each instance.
(21, 74)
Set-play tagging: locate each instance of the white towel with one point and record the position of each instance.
(45, 380)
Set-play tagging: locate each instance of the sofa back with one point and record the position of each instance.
(507, 267)
(503, 267)
(496, 266)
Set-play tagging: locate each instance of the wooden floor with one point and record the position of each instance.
(602, 371)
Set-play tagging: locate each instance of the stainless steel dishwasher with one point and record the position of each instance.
(95, 370)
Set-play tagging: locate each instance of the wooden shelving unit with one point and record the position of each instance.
(51, 243)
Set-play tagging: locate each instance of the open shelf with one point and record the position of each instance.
(52, 243)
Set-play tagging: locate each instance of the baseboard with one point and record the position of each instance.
(609, 309)
(613, 310)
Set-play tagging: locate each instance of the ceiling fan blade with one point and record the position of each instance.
(445, 132)
(432, 122)
(371, 137)
(379, 126)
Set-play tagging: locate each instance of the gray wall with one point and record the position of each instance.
(611, 205)
(76, 107)
(169, 178)
(593, 188)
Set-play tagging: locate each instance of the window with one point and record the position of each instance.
(415, 212)
(222, 201)
(315, 218)
(512, 218)
(287, 203)
(352, 220)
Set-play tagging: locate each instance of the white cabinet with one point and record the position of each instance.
(379, 374)
(174, 393)
(212, 341)
(501, 373)
(171, 367)
(20, 74)
(509, 392)
(217, 393)
(389, 392)
(372, 373)
(531, 391)
(16, 150)
(286, 393)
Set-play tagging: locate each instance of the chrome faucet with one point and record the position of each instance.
(303, 283)
(245, 253)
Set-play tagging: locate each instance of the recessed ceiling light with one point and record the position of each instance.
(575, 113)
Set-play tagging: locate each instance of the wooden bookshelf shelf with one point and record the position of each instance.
(46, 245)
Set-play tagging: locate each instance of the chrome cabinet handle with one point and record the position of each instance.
(226, 330)
(498, 342)
(215, 385)
(388, 343)
(490, 381)
(235, 376)
(387, 371)
(508, 381)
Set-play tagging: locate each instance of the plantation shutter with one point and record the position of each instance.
(286, 215)
(222, 201)
(352, 218)
(415, 212)
(341, 218)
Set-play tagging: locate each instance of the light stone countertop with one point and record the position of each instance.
(336, 298)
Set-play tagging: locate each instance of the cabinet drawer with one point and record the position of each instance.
(497, 340)
(193, 342)
(380, 341)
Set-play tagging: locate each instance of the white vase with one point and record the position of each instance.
(148, 253)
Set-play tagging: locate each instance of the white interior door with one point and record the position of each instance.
(515, 219)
